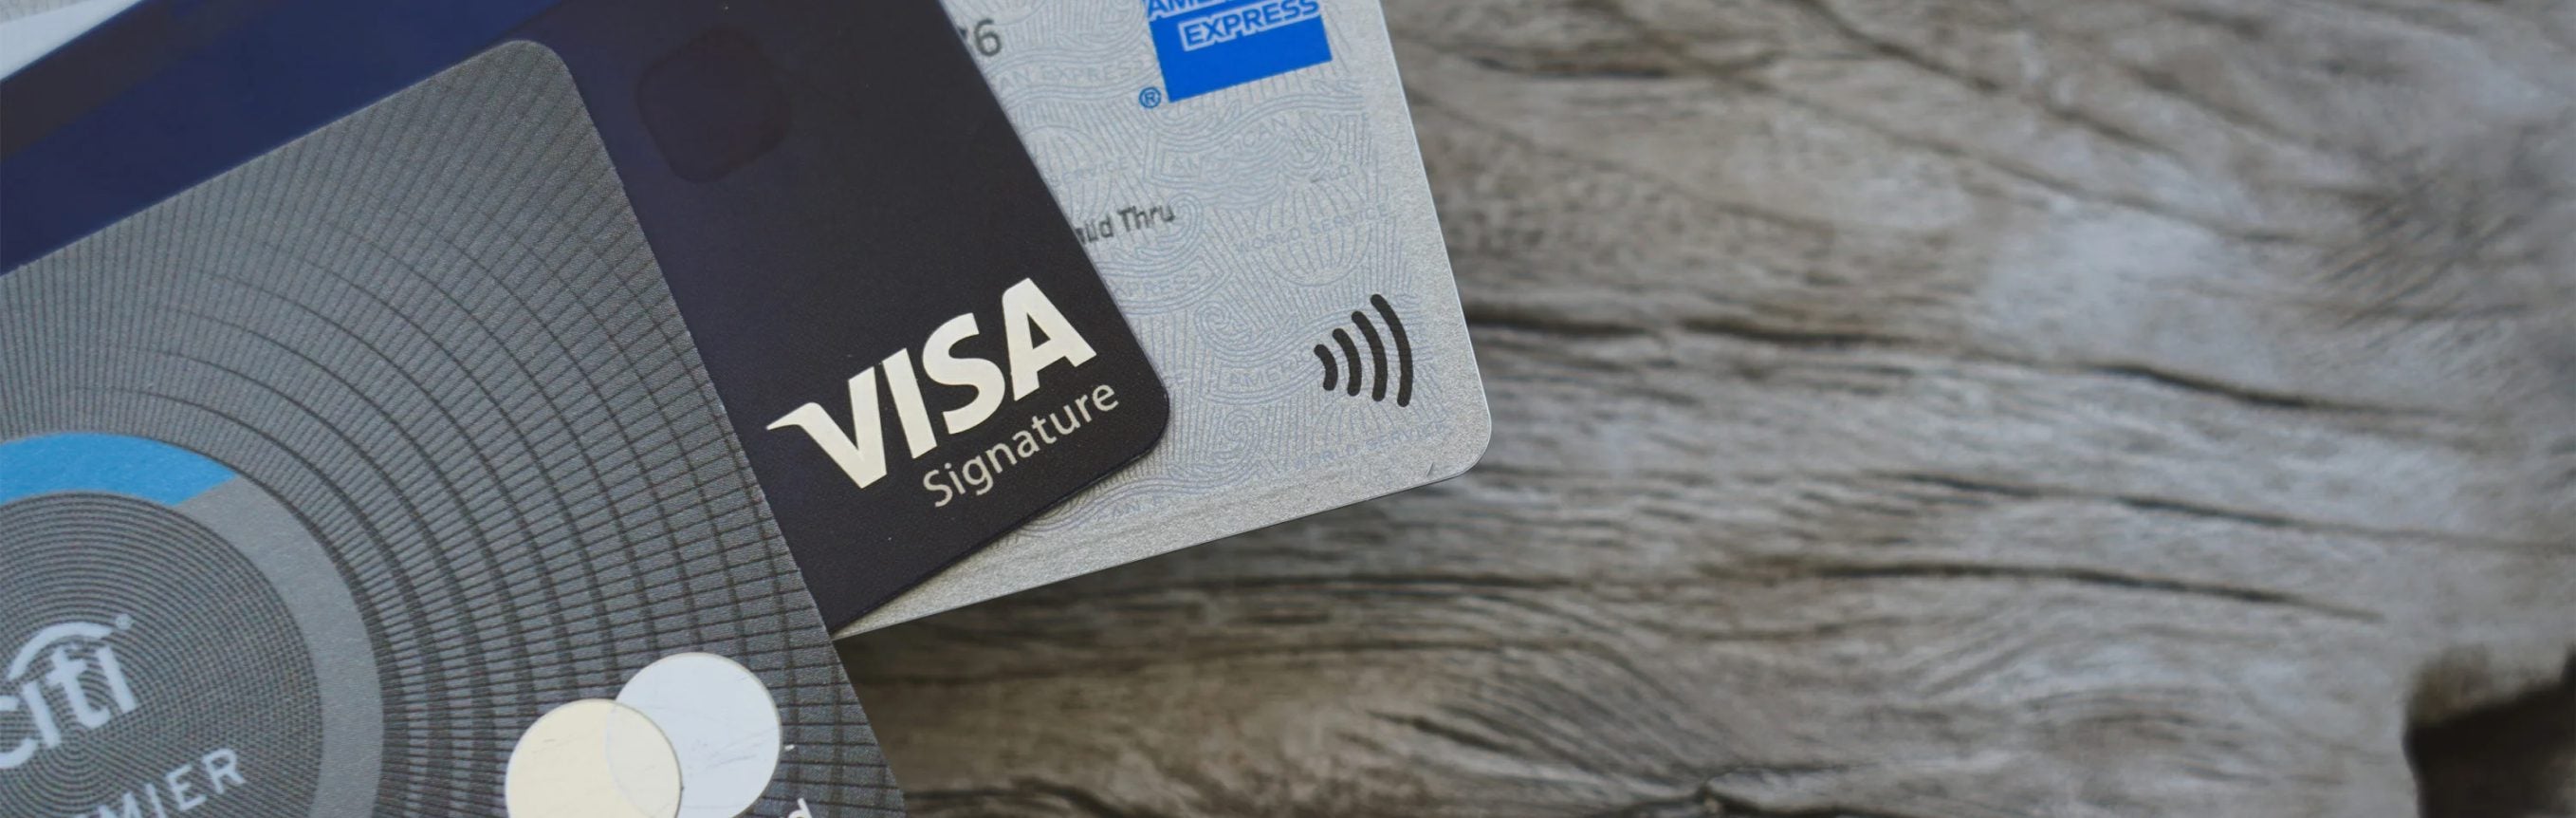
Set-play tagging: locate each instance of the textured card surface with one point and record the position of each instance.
(1244, 175)
(915, 351)
(379, 475)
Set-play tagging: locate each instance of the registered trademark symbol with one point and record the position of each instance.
(1150, 97)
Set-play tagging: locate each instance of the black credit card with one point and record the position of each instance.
(907, 337)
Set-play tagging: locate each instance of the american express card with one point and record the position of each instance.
(1244, 175)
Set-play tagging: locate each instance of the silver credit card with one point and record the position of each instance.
(1244, 175)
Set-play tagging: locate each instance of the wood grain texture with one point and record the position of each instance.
(1903, 409)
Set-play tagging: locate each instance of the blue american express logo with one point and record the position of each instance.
(1210, 45)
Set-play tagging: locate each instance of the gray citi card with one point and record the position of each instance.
(1244, 175)
(379, 475)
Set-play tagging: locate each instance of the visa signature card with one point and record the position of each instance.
(1243, 173)
(913, 348)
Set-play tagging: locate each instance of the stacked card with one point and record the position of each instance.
(487, 407)
(1245, 176)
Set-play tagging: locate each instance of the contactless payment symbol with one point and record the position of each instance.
(1350, 373)
(1210, 45)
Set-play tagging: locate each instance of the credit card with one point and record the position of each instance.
(379, 475)
(1245, 177)
(912, 346)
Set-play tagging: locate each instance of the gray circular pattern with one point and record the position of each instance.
(233, 677)
(434, 331)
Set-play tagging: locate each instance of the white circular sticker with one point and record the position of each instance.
(721, 722)
(593, 758)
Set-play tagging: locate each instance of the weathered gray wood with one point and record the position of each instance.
(1903, 409)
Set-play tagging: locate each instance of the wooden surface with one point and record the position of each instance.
(1903, 409)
